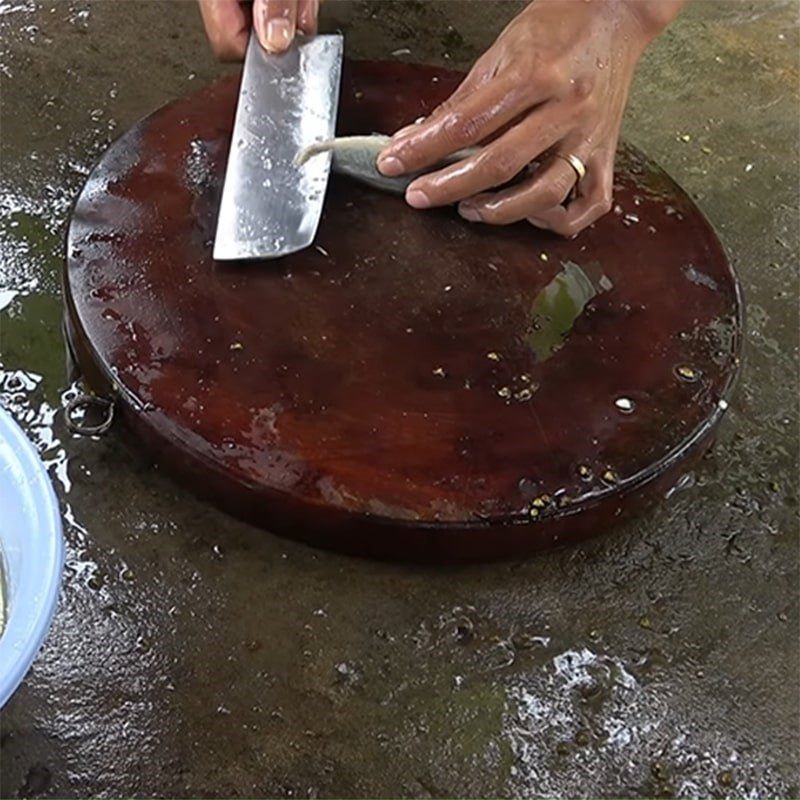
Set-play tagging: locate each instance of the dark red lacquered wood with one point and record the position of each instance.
(369, 393)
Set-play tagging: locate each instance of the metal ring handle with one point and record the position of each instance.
(85, 402)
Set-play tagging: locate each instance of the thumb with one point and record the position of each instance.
(275, 23)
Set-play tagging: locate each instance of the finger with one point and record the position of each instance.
(594, 200)
(227, 25)
(495, 164)
(548, 187)
(466, 122)
(307, 16)
(477, 76)
(275, 23)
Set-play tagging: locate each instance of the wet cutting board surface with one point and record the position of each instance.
(413, 385)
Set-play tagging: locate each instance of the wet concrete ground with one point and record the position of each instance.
(196, 656)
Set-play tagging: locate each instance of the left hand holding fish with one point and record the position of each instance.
(551, 89)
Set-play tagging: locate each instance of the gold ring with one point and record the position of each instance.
(575, 163)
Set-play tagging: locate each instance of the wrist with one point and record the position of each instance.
(652, 16)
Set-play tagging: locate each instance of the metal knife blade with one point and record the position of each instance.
(270, 205)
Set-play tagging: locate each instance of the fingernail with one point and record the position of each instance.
(390, 166)
(416, 198)
(539, 223)
(279, 35)
(469, 213)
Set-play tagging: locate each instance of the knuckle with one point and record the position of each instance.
(583, 87)
(607, 195)
(445, 107)
(586, 107)
(550, 77)
(532, 74)
(458, 127)
(520, 74)
(556, 190)
(551, 195)
(564, 185)
(501, 164)
(570, 229)
(603, 196)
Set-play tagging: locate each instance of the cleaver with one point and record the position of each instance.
(271, 206)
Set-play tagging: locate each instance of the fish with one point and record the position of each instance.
(357, 156)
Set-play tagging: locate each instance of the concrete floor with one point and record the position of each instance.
(196, 656)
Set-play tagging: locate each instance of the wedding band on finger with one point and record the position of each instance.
(575, 163)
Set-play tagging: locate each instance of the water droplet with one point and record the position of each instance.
(541, 501)
(625, 405)
(610, 477)
(493, 356)
(687, 373)
(585, 472)
(629, 219)
(504, 392)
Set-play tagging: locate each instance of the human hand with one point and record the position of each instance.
(553, 85)
(228, 23)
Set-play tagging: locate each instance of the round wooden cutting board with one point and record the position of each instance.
(413, 385)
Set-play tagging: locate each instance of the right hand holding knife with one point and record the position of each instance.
(276, 22)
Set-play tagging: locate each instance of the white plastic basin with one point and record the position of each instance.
(32, 551)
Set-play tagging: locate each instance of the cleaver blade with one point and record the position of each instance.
(270, 205)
